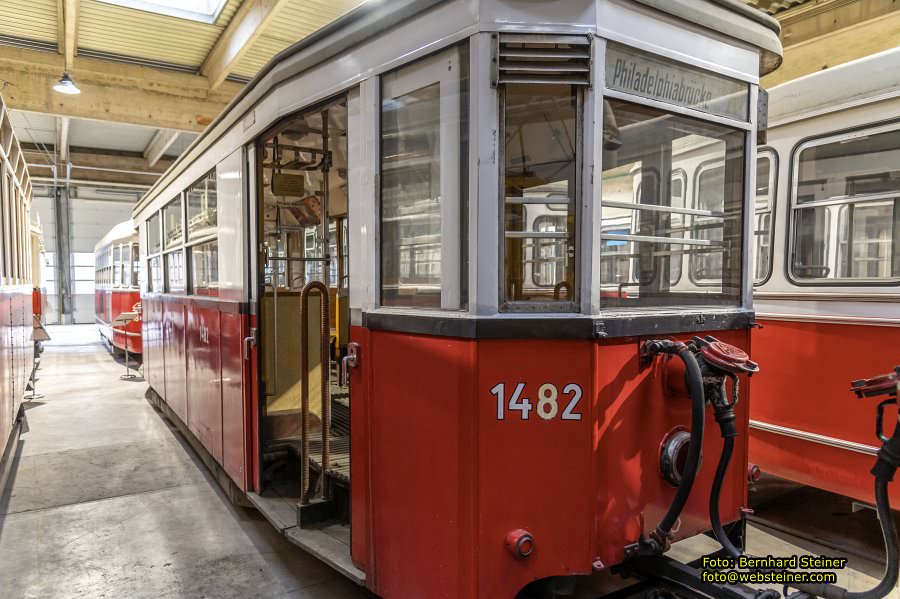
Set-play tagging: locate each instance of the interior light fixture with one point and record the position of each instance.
(65, 85)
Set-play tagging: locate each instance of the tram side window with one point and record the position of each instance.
(202, 207)
(117, 266)
(763, 207)
(135, 267)
(541, 143)
(653, 227)
(154, 240)
(846, 211)
(423, 183)
(155, 278)
(205, 268)
(174, 267)
(173, 232)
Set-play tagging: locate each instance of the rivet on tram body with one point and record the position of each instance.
(519, 543)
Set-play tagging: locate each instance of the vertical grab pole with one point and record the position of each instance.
(322, 290)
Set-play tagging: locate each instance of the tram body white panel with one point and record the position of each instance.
(232, 236)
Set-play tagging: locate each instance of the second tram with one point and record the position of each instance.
(827, 270)
(383, 295)
(117, 293)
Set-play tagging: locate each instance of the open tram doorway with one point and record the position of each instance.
(303, 293)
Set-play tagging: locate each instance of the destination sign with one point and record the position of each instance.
(657, 78)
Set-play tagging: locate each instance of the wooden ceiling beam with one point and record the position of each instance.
(245, 27)
(123, 168)
(837, 47)
(62, 138)
(112, 91)
(162, 141)
(69, 45)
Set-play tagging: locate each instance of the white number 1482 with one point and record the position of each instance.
(547, 405)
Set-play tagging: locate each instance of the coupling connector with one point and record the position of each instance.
(654, 347)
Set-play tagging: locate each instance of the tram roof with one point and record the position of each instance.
(377, 16)
(863, 81)
(120, 232)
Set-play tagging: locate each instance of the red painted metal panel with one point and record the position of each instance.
(804, 385)
(419, 387)
(360, 466)
(174, 356)
(533, 474)
(234, 431)
(204, 374)
(444, 478)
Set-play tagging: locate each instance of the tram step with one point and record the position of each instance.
(316, 512)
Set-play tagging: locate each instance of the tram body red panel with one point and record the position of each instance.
(232, 374)
(805, 386)
(204, 387)
(109, 304)
(16, 353)
(193, 359)
(441, 480)
(173, 354)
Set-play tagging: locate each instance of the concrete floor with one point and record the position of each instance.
(106, 500)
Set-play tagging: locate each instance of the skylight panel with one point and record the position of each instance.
(203, 11)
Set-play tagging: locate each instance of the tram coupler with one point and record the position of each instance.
(686, 579)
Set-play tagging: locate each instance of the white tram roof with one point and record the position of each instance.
(727, 18)
(124, 231)
(871, 79)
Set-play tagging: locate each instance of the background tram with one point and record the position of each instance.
(17, 350)
(436, 401)
(827, 271)
(117, 293)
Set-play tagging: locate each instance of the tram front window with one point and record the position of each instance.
(643, 218)
(540, 156)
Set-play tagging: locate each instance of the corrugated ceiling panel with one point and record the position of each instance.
(227, 12)
(32, 19)
(294, 22)
(142, 34)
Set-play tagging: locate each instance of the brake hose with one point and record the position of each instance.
(694, 380)
(724, 411)
(885, 467)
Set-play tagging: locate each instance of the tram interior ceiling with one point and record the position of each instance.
(303, 193)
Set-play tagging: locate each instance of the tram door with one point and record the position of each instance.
(302, 295)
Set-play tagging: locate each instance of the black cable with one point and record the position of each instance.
(694, 381)
(714, 517)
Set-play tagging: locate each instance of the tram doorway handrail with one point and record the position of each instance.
(325, 368)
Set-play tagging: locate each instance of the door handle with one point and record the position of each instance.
(351, 360)
(249, 342)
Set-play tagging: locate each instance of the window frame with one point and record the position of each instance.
(573, 306)
(454, 290)
(793, 206)
(189, 243)
(773, 210)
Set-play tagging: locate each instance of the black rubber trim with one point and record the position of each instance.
(574, 327)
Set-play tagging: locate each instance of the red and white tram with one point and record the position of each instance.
(16, 288)
(828, 270)
(117, 292)
(428, 195)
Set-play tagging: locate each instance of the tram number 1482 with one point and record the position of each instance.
(547, 404)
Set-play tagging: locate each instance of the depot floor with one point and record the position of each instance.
(106, 500)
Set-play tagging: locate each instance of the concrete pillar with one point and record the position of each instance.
(63, 255)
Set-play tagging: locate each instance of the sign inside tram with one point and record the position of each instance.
(657, 78)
